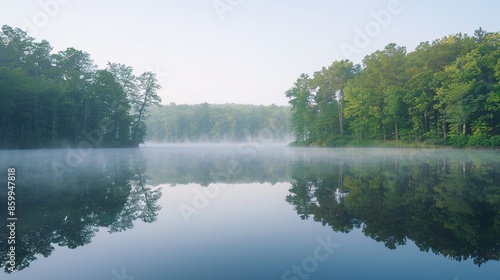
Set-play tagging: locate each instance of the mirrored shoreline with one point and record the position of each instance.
(444, 201)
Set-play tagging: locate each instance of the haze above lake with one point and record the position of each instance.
(255, 211)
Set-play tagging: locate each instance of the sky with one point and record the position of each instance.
(240, 51)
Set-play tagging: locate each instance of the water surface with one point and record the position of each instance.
(254, 211)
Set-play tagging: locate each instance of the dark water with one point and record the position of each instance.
(253, 211)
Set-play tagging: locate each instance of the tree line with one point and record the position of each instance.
(56, 99)
(445, 92)
(215, 123)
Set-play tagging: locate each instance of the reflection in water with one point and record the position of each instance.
(108, 190)
(212, 164)
(444, 202)
(447, 205)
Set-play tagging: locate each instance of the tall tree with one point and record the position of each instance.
(56, 99)
(329, 84)
(302, 114)
(147, 96)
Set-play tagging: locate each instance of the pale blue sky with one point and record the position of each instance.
(252, 53)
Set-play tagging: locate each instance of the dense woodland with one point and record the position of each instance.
(444, 92)
(215, 123)
(56, 99)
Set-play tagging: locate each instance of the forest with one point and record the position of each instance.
(445, 92)
(62, 99)
(219, 122)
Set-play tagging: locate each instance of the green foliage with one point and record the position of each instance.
(318, 103)
(59, 99)
(458, 140)
(339, 142)
(479, 141)
(215, 123)
(447, 87)
(495, 141)
(301, 100)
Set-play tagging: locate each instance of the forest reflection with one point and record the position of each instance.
(108, 190)
(448, 204)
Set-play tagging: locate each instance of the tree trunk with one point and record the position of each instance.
(396, 128)
(437, 124)
(139, 118)
(426, 124)
(444, 129)
(341, 121)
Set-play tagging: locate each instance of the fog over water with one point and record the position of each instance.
(219, 211)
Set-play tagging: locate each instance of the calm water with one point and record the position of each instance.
(253, 212)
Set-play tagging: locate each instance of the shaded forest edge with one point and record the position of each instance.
(62, 99)
(444, 93)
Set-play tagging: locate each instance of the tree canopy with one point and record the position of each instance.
(444, 92)
(55, 99)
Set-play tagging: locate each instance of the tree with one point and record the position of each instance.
(59, 99)
(447, 87)
(125, 77)
(302, 114)
(108, 102)
(394, 108)
(75, 74)
(147, 96)
(228, 122)
(329, 84)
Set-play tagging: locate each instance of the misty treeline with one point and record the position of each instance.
(444, 92)
(216, 123)
(54, 99)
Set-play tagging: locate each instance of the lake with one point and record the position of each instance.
(252, 211)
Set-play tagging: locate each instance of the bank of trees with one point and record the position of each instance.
(53, 99)
(444, 92)
(216, 123)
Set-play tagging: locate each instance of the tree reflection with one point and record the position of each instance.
(447, 206)
(103, 192)
(218, 165)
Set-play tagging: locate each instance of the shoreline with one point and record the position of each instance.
(392, 144)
